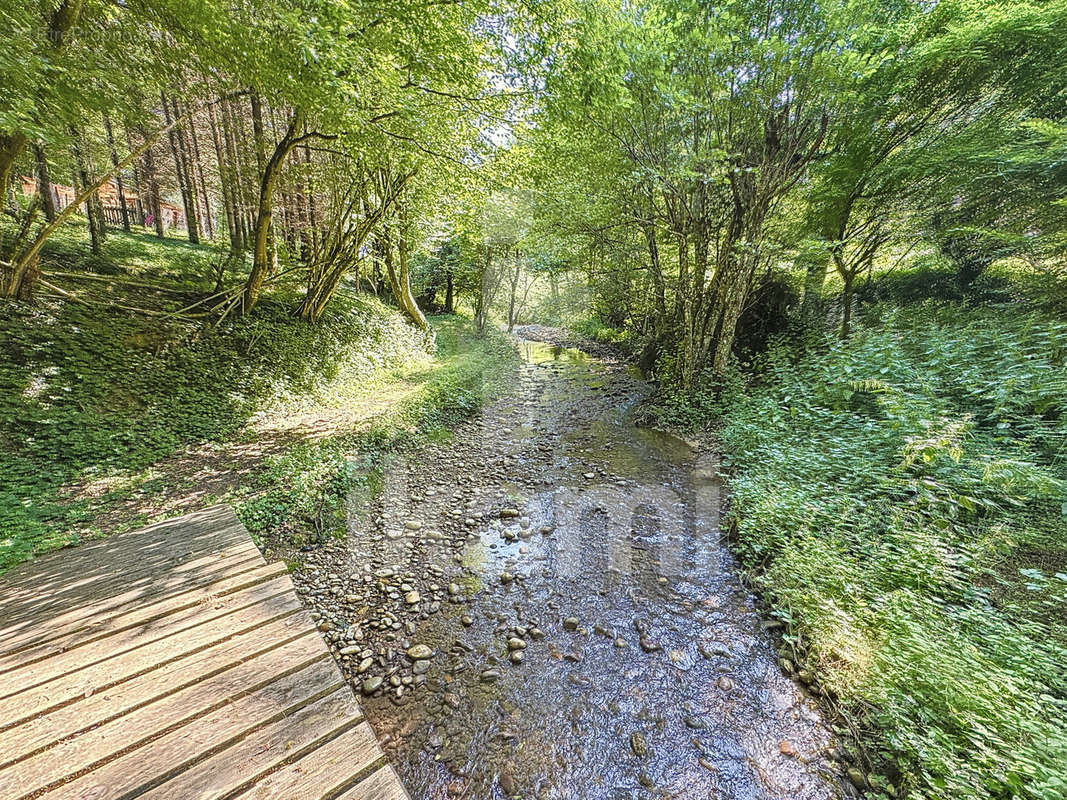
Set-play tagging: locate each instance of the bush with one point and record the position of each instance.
(901, 499)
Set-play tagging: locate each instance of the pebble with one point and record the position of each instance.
(420, 651)
(489, 676)
(570, 624)
(372, 684)
(412, 597)
(638, 744)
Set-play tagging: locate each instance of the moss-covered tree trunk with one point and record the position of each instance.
(261, 252)
(400, 281)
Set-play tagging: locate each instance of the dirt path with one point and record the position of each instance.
(542, 608)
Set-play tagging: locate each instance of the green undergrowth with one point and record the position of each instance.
(308, 492)
(95, 399)
(92, 395)
(86, 394)
(901, 500)
(600, 332)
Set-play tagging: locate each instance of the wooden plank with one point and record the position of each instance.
(319, 774)
(140, 615)
(105, 575)
(88, 595)
(152, 665)
(212, 529)
(40, 629)
(84, 587)
(265, 749)
(102, 675)
(100, 707)
(96, 745)
(124, 641)
(252, 722)
(382, 785)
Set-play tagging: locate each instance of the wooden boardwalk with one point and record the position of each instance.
(174, 662)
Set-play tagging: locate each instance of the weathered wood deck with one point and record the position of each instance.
(174, 662)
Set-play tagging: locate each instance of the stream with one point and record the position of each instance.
(543, 607)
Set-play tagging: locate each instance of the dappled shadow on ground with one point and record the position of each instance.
(208, 472)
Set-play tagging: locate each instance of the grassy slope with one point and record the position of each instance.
(902, 501)
(302, 493)
(99, 408)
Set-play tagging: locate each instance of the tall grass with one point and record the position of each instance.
(902, 500)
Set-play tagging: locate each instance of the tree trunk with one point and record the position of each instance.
(125, 214)
(93, 207)
(849, 278)
(261, 261)
(137, 185)
(514, 275)
(449, 292)
(239, 184)
(482, 302)
(192, 224)
(11, 145)
(259, 139)
(401, 281)
(312, 209)
(18, 279)
(206, 215)
(44, 184)
(228, 208)
(155, 205)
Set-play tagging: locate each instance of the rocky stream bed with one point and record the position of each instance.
(542, 607)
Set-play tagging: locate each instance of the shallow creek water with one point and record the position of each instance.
(644, 672)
